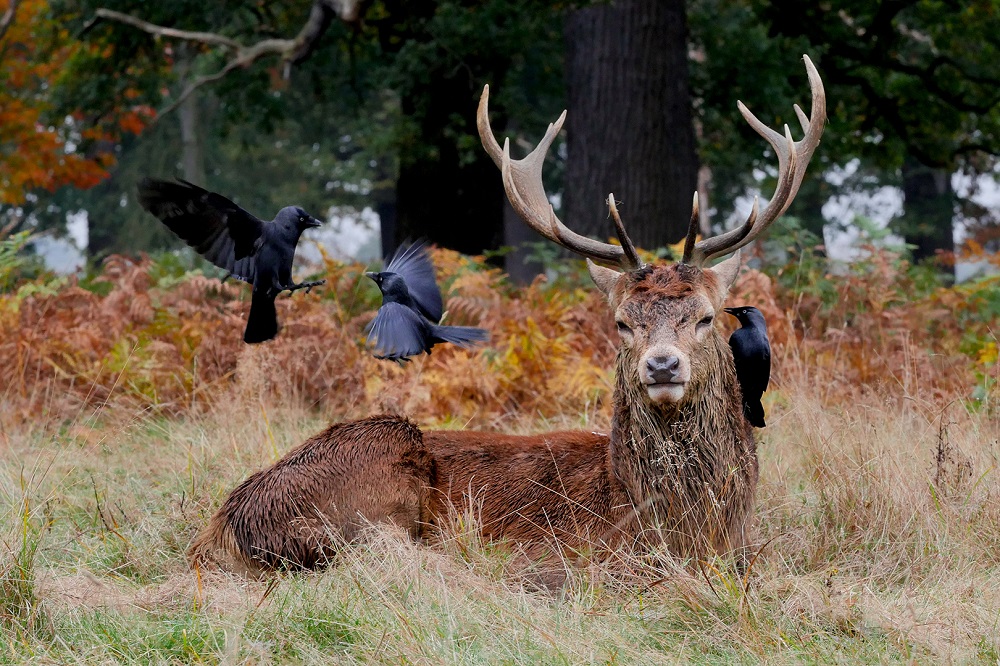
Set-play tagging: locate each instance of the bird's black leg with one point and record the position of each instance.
(401, 360)
(304, 285)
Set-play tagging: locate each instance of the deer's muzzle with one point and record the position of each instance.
(665, 372)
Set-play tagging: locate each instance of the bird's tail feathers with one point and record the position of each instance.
(262, 323)
(754, 412)
(463, 336)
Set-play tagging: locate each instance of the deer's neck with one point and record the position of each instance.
(662, 453)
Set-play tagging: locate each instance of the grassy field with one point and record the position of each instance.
(133, 408)
(879, 527)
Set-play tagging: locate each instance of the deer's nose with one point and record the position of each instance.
(663, 369)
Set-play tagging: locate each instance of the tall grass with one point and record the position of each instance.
(22, 613)
(866, 554)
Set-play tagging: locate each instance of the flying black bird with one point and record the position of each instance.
(406, 324)
(250, 249)
(752, 356)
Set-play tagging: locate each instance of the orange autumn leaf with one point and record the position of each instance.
(36, 151)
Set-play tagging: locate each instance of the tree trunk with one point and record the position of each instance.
(519, 263)
(192, 137)
(928, 211)
(192, 153)
(450, 198)
(629, 128)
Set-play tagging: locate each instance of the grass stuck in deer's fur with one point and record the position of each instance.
(879, 527)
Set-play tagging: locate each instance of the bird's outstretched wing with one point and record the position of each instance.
(414, 265)
(397, 332)
(214, 226)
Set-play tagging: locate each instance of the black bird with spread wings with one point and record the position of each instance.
(406, 324)
(253, 250)
(752, 356)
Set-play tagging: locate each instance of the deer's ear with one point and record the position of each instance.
(604, 278)
(726, 272)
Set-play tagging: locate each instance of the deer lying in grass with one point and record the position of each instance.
(679, 468)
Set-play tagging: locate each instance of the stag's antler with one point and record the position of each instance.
(522, 179)
(793, 158)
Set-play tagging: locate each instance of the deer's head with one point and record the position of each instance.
(665, 313)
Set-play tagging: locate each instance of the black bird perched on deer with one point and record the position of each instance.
(752, 356)
(252, 250)
(406, 324)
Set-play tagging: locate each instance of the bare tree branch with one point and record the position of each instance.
(291, 51)
(8, 17)
(194, 85)
(212, 38)
(320, 17)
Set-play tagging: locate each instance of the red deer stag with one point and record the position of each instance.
(678, 469)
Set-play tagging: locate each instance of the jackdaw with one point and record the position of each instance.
(257, 252)
(406, 324)
(752, 356)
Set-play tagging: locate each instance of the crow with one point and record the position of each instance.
(407, 322)
(252, 250)
(752, 356)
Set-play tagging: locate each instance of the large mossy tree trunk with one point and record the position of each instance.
(629, 129)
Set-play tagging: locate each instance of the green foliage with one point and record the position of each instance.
(976, 306)
(741, 61)
(909, 84)
(400, 88)
(794, 258)
(12, 259)
(911, 78)
(334, 134)
(170, 268)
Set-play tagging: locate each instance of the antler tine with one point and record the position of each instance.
(631, 259)
(793, 158)
(522, 180)
(692, 234)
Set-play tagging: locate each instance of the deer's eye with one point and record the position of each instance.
(623, 328)
(705, 322)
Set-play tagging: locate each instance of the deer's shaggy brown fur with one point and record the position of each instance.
(290, 514)
(682, 474)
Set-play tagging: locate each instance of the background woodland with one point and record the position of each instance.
(129, 406)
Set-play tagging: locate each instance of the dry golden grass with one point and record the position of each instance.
(874, 547)
(878, 511)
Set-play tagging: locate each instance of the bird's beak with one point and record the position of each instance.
(372, 275)
(731, 311)
(313, 222)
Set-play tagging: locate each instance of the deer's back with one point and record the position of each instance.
(533, 490)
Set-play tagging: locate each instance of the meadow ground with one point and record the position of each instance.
(879, 528)
(878, 517)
